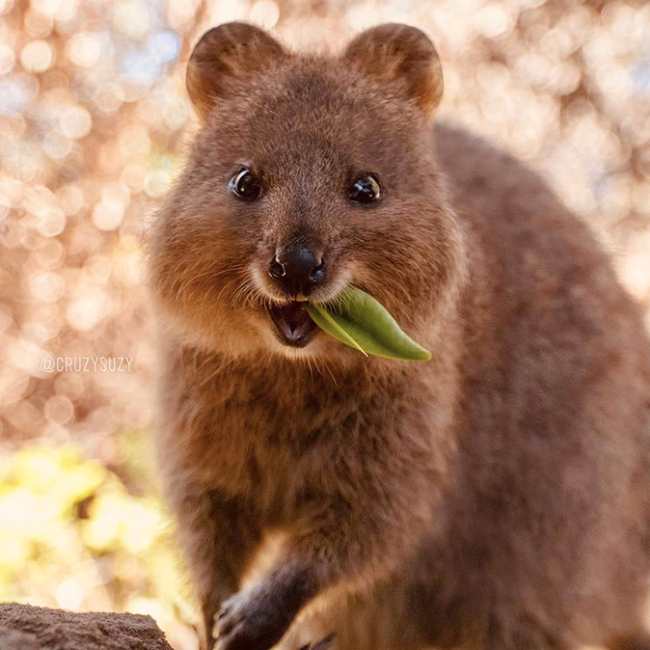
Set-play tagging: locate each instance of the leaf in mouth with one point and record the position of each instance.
(360, 321)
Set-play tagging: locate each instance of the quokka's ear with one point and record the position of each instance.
(224, 58)
(400, 54)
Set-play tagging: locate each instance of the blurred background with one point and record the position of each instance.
(94, 122)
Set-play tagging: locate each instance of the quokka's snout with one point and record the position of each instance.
(298, 268)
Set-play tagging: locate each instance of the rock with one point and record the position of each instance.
(14, 640)
(23, 627)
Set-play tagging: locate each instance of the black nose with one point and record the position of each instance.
(298, 268)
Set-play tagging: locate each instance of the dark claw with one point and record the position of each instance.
(226, 626)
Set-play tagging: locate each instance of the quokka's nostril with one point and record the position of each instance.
(318, 274)
(276, 269)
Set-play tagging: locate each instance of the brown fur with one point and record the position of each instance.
(494, 498)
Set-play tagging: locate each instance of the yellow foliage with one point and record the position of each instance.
(75, 536)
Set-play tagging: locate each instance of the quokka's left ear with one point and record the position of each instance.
(399, 54)
(224, 60)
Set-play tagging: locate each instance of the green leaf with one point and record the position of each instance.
(360, 321)
(328, 323)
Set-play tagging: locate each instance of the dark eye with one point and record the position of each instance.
(245, 185)
(365, 189)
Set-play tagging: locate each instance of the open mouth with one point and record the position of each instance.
(292, 323)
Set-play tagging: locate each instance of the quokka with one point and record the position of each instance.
(496, 497)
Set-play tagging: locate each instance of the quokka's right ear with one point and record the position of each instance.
(224, 58)
(403, 55)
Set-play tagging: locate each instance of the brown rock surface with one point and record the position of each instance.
(23, 627)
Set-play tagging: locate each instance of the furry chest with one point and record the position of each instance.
(267, 453)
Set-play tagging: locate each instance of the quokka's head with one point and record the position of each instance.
(309, 174)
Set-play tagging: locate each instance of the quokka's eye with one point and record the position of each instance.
(245, 185)
(365, 189)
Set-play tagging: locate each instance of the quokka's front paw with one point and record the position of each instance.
(250, 620)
